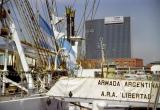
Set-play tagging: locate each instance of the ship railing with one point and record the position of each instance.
(16, 83)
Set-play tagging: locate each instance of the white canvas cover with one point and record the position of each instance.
(105, 89)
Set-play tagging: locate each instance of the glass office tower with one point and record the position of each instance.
(115, 33)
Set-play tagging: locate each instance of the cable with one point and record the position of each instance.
(56, 14)
(84, 15)
(91, 12)
(17, 20)
(37, 29)
(80, 106)
(93, 8)
(96, 8)
(44, 11)
(29, 25)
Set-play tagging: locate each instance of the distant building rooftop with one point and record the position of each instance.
(155, 62)
(129, 62)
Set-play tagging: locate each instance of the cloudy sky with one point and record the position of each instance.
(145, 22)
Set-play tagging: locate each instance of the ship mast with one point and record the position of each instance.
(104, 62)
(2, 11)
(102, 51)
(51, 19)
(8, 27)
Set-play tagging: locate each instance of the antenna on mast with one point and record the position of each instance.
(102, 50)
(104, 61)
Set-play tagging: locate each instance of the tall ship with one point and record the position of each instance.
(39, 69)
(33, 55)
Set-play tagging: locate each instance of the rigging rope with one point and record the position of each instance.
(50, 16)
(18, 22)
(44, 10)
(39, 33)
(29, 26)
(93, 8)
(96, 8)
(83, 17)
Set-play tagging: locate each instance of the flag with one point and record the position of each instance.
(45, 26)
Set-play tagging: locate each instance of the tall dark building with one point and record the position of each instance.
(115, 32)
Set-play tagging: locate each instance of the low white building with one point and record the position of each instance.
(156, 69)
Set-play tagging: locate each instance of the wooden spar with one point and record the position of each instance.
(33, 46)
(33, 28)
(37, 28)
(40, 48)
(27, 25)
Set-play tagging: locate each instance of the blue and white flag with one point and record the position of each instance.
(48, 32)
(45, 26)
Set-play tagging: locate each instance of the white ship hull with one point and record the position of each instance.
(34, 103)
